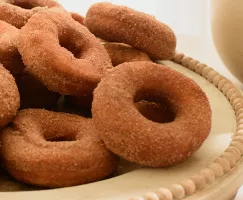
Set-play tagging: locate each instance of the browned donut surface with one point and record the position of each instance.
(125, 25)
(64, 56)
(17, 12)
(9, 54)
(33, 93)
(126, 132)
(120, 53)
(9, 97)
(77, 17)
(4, 26)
(51, 150)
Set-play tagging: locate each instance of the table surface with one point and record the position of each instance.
(203, 50)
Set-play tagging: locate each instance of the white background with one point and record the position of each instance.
(185, 17)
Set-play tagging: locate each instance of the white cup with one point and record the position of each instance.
(227, 32)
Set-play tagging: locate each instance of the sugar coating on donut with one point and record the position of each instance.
(9, 97)
(125, 25)
(9, 54)
(17, 12)
(4, 26)
(120, 53)
(77, 17)
(130, 135)
(64, 56)
(52, 150)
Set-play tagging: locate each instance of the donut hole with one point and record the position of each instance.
(60, 138)
(70, 46)
(24, 5)
(154, 108)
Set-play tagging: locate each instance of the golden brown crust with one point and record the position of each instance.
(9, 97)
(77, 17)
(125, 25)
(51, 150)
(120, 53)
(64, 56)
(33, 93)
(129, 134)
(9, 54)
(17, 12)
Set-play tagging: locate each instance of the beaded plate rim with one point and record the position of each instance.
(228, 159)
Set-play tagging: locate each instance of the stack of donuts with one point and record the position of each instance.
(80, 93)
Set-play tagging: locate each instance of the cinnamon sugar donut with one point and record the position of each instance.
(17, 12)
(77, 17)
(33, 93)
(120, 53)
(135, 138)
(9, 54)
(53, 150)
(125, 25)
(65, 56)
(9, 97)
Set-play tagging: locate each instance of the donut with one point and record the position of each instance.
(9, 97)
(125, 25)
(53, 150)
(17, 12)
(65, 56)
(77, 17)
(120, 53)
(33, 94)
(127, 133)
(9, 54)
